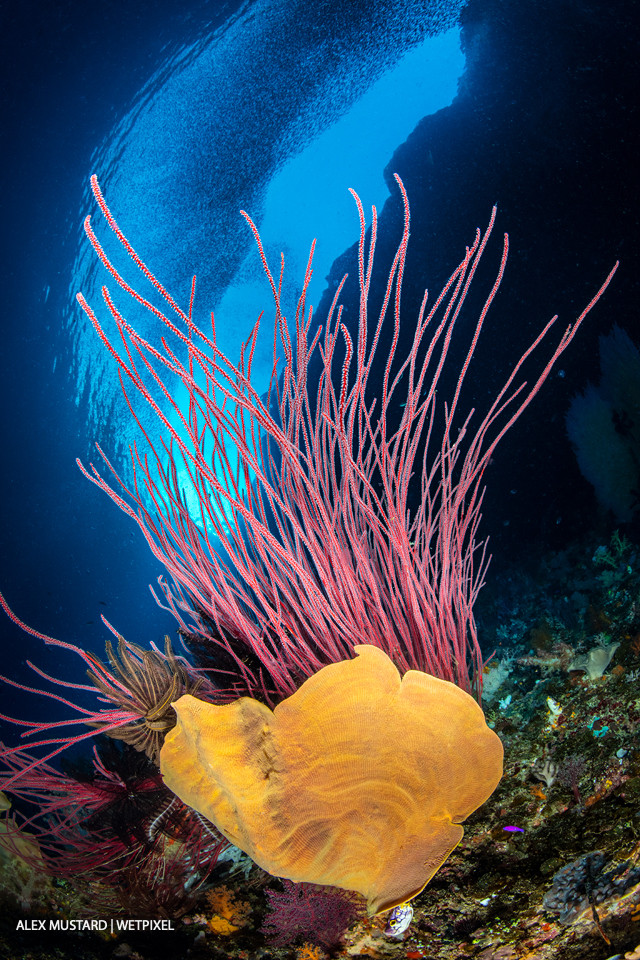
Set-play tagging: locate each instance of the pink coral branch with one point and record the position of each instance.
(323, 551)
(308, 545)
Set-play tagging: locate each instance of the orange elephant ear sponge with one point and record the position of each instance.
(359, 780)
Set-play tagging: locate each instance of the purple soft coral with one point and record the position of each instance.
(305, 910)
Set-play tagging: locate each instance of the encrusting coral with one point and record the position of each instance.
(359, 780)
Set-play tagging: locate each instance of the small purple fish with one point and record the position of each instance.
(513, 829)
(399, 920)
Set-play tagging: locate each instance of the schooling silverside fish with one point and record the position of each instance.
(399, 920)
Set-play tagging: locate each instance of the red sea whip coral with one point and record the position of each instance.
(307, 545)
(298, 556)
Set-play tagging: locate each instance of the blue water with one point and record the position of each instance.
(294, 185)
(185, 121)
